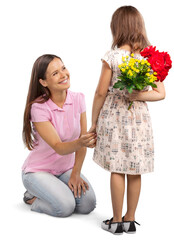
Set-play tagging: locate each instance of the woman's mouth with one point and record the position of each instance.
(64, 81)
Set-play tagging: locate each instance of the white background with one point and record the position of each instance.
(78, 32)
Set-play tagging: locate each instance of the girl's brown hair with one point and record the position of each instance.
(128, 27)
(36, 93)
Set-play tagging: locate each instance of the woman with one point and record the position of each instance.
(54, 128)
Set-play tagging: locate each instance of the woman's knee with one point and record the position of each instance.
(64, 209)
(87, 204)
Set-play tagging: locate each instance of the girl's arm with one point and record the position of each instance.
(155, 94)
(50, 136)
(101, 92)
(76, 182)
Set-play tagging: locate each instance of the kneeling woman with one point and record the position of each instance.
(55, 132)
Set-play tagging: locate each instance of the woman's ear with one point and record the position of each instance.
(43, 82)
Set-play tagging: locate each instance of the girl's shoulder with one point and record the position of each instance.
(114, 57)
(115, 54)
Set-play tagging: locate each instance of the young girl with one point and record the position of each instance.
(54, 128)
(124, 137)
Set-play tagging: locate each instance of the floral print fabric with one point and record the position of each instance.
(124, 137)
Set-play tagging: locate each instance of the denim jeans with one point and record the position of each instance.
(54, 197)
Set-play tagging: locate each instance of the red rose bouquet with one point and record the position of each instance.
(160, 61)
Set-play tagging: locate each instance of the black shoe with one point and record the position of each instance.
(27, 196)
(113, 227)
(129, 226)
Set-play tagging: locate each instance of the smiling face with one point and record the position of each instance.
(57, 76)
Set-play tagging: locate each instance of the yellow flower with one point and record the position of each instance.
(130, 73)
(123, 59)
(142, 62)
(152, 78)
(127, 57)
(148, 74)
(155, 73)
(132, 54)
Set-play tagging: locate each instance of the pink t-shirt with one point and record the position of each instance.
(66, 121)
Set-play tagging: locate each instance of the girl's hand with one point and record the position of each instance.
(92, 129)
(134, 96)
(77, 184)
(88, 140)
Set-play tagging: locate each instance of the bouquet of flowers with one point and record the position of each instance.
(136, 74)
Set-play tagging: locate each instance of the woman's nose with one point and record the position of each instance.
(63, 75)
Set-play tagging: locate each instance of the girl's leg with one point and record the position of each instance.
(133, 193)
(117, 195)
(86, 203)
(53, 197)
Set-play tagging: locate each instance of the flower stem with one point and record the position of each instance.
(130, 105)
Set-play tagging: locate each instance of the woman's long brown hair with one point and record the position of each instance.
(36, 93)
(127, 26)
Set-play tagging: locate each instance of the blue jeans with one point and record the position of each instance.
(54, 197)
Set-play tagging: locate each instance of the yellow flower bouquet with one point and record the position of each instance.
(135, 74)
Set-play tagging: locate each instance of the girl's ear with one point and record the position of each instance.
(43, 82)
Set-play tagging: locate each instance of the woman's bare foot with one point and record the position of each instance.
(31, 201)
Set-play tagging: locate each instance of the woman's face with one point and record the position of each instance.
(57, 76)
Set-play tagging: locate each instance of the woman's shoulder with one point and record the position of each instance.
(78, 98)
(40, 104)
(76, 95)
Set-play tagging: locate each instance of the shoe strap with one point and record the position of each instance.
(136, 223)
(130, 221)
(110, 222)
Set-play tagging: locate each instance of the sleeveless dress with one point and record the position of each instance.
(124, 137)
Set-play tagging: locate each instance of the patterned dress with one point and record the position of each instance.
(124, 137)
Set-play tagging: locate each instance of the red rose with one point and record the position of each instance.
(161, 75)
(160, 61)
(148, 52)
(156, 61)
(168, 62)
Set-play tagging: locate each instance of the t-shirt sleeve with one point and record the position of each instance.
(39, 113)
(82, 103)
(108, 57)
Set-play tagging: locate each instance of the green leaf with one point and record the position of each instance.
(139, 86)
(130, 88)
(153, 85)
(119, 84)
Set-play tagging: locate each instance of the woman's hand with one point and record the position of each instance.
(88, 140)
(77, 184)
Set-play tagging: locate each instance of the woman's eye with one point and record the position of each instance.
(64, 67)
(55, 73)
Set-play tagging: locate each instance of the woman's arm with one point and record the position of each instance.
(101, 92)
(50, 136)
(76, 182)
(155, 94)
(80, 153)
